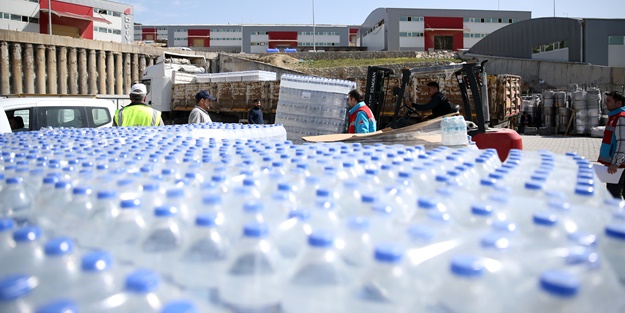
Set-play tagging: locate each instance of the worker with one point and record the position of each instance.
(612, 150)
(137, 113)
(199, 114)
(526, 121)
(256, 115)
(361, 118)
(439, 104)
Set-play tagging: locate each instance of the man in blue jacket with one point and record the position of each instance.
(256, 115)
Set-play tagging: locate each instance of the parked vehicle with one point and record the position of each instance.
(34, 113)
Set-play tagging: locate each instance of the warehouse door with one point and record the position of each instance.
(444, 43)
(63, 30)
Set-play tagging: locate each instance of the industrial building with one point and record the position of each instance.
(249, 38)
(394, 29)
(86, 19)
(594, 41)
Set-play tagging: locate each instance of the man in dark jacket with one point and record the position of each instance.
(439, 104)
(256, 115)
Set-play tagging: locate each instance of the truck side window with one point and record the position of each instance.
(19, 120)
(100, 116)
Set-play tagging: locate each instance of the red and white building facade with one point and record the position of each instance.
(393, 29)
(87, 19)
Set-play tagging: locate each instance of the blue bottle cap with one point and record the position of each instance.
(389, 253)
(439, 216)
(488, 182)
(62, 185)
(482, 209)
(165, 211)
(382, 208)
(130, 204)
(467, 266)
(495, 241)
(426, 203)
(180, 306)
(285, 187)
(504, 226)
(58, 306)
(96, 261)
(16, 286)
(59, 246)
(320, 239)
(206, 219)
(6, 224)
(358, 223)
(253, 207)
(545, 219)
(175, 193)
(615, 231)
(585, 191)
(534, 185)
(255, 230)
(248, 182)
(212, 199)
(323, 192)
(421, 232)
(369, 199)
(82, 191)
(30, 233)
(559, 283)
(142, 281)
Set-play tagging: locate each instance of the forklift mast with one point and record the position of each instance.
(375, 92)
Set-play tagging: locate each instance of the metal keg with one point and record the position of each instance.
(564, 114)
(559, 99)
(548, 117)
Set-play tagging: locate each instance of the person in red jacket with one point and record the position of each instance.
(612, 150)
(361, 118)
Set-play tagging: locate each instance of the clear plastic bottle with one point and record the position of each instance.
(14, 291)
(386, 286)
(27, 256)
(59, 271)
(98, 280)
(253, 278)
(6, 236)
(319, 271)
(15, 201)
(125, 232)
(613, 248)
(139, 294)
(292, 234)
(163, 240)
(202, 262)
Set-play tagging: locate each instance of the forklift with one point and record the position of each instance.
(471, 78)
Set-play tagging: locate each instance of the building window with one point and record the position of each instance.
(616, 40)
(15, 17)
(33, 20)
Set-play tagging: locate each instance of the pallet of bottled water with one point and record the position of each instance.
(310, 106)
(158, 220)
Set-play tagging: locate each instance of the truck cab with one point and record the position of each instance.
(170, 68)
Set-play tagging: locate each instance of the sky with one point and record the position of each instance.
(342, 12)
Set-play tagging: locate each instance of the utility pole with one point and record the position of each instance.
(50, 17)
(314, 31)
(554, 8)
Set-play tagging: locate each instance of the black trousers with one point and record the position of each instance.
(617, 189)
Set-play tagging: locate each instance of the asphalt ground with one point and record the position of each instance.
(584, 146)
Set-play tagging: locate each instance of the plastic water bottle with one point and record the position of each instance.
(357, 247)
(386, 286)
(253, 279)
(98, 280)
(15, 202)
(59, 270)
(614, 248)
(125, 232)
(58, 306)
(163, 240)
(292, 234)
(27, 256)
(6, 236)
(319, 271)
(14, 291)
(139, 293)
(202, 262)
(446, 131)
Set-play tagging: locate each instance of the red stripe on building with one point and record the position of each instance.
(85, 27)
(199, 37)
(439, 30)
(282, 39)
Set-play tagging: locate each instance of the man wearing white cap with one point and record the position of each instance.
(137, 113)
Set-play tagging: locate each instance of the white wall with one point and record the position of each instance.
(616, 55)
(320, 38)
(554, 55)
(412, 42)
(374, 41)
(482, 28)
(405, 26)
(19, 7)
